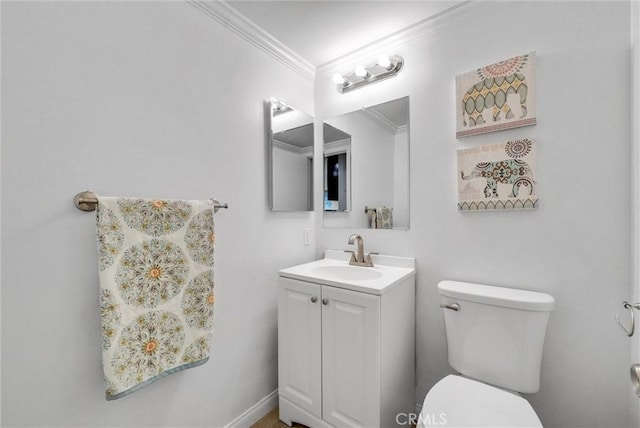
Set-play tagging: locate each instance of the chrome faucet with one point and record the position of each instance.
(358, 258)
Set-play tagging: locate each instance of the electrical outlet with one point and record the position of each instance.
(306, 237)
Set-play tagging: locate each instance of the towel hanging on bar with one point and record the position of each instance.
(379, 217)
(155, 262)
(384, 218)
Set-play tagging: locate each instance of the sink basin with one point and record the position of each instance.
(334, 270)
(348, 272)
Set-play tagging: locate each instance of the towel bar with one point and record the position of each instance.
(87, 201)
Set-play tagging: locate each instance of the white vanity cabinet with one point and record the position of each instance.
(346, 357)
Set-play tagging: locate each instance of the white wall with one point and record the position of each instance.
(576, 245)
(290, 178)
(635, 187)
(401, 179)
(143, 99)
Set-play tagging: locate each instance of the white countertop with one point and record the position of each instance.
(389, 271)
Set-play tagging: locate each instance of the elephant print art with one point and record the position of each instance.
(510, 171)
(497, 96)
(489, 180)
(492, 93)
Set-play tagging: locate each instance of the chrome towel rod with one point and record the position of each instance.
(87, 201)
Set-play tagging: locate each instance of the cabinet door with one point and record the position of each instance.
(351, 358)
(299, 344)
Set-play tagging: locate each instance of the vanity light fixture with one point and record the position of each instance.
(363, 75)
(278, 107)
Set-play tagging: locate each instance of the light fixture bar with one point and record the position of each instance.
(374, 73)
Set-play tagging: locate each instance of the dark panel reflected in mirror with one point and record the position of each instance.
(291, 148)
(337, 154)
(366, 167)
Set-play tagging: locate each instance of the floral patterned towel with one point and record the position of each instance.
(155, 259)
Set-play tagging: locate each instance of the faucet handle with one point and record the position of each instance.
(353, 255)
(368, 260)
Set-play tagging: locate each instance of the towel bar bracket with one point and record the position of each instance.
(88, 201)
(630, 306)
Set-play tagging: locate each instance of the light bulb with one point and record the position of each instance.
(360, 71)
(338, 79)
(384, 61)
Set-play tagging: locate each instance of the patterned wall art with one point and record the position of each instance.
(496, 97)
(497, 177)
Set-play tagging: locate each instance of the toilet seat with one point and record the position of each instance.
(456, 401)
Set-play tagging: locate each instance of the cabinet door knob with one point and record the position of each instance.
(325, 301)
(314, 299)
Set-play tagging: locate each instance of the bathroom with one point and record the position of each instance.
(161, 99)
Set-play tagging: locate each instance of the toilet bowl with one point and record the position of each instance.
(456, 401)
(495, 337)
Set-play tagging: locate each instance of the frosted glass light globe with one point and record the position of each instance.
(384, 61)
(338, 79)
(360, 71)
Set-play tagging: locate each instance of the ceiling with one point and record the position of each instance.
(321, 31)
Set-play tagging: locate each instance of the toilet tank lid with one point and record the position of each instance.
(499, 296)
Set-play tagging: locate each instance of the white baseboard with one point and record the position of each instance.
(255, 412)
(264, 406)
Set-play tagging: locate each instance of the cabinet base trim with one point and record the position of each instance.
(290, 413)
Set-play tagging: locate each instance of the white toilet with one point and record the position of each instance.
(494, 337)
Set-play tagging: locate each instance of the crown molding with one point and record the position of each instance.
(421, 28)
(293, 149)
(237, 23)
(222, 12)
(339, 146)
(381, 119)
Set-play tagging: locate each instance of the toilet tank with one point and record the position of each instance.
(498, 333)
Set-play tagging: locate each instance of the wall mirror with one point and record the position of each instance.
(291, 150)
(366, 167)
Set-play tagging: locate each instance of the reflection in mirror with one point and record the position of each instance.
(337, 156)
(291, 149)
(366, 167)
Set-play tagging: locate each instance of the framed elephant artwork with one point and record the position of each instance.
(496, 97)
(497, 177)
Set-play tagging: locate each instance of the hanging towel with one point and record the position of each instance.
(384, 218)
(371, 217)
(155, 261)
